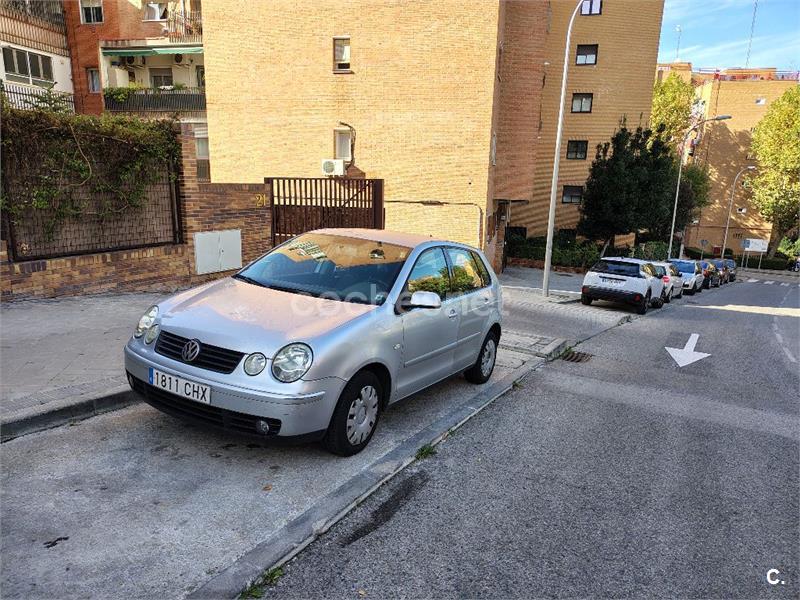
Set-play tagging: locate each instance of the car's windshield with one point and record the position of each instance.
(615, 267)
(331, 266)
(660, 271)
(684, 266)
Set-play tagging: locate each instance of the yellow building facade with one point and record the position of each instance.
(724, 148)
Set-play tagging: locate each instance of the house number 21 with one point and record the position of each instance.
(261, 200)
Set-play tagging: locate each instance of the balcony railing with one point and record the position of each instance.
(35, 98)
(38, 25)
(156, 101)
(185, 27)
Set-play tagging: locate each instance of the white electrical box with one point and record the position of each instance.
(216, 251)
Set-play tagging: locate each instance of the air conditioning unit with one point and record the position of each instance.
(333, 166)
(134, 61)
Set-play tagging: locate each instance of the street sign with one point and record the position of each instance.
(755, 245)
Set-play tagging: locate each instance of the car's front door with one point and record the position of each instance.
(472, 297)
(429, 334)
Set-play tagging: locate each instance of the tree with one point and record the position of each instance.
(655, 169)
(672, 107)
(694, 194)
(776, 145)
(610, 199)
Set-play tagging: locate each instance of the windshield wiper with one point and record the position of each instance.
(248, 279)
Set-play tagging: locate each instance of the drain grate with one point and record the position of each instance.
(576, 357)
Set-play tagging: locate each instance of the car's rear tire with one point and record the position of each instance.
(482, 370)
(642, 307)
(356, 415)
(586, 300)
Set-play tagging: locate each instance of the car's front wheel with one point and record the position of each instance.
(481, 371)
(668, 296)
(356, 415)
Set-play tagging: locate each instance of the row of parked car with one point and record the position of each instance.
(644, 283)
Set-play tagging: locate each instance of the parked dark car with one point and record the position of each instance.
(711, 274)
(724, 272)
(731, 268)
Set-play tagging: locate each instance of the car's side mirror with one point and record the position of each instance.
(424, 300)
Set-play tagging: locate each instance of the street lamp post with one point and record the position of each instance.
(680, 170)
(730, 207)
(551, 217)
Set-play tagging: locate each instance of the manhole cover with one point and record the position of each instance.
(576, 357)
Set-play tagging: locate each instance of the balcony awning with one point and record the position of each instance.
(152, 51)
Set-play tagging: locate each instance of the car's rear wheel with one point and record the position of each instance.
(482, 370)
(642, 307)
(356, 415)
(585, 299)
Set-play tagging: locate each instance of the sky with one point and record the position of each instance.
(715, 33)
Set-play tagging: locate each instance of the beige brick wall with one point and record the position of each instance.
(627, 33)
(420, 97)
(724, 149)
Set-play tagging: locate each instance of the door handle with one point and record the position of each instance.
(452, 314)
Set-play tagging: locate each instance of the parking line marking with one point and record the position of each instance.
(784, 284)
(768, 282)
(751, 280)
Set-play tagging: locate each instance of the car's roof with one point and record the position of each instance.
(409, 240)
(634, 261)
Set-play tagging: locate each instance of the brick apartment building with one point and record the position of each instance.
(724, 147)
(34, 54)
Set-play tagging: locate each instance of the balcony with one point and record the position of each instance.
(185, 27)
(156, 102)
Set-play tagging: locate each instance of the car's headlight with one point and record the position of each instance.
(255, 363)
(291, 362)
(146, 321)
(151, 334)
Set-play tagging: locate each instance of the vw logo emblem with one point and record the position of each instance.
(190, 350)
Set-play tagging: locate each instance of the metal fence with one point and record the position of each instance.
(40, 233)
(156, 100)
(32, 97)
(185, 27)
(300, 204)
(37, 24)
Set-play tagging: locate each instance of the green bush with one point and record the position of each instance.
(772, 264)
(567, 252)
(651, 251)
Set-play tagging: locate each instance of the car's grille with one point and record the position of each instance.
(212, 358)
(191, 410)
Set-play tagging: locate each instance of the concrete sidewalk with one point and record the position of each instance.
(61, 359)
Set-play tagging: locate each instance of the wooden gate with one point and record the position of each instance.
(300, 204)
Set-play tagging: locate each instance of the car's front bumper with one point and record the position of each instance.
(232, 406)
(614, 295)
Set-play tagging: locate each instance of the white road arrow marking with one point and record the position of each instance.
(686, 355)
(769, 282)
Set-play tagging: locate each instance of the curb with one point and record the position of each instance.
(291, 539)
(553, 350)
(67, 414)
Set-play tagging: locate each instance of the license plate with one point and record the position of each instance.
(613, 281)
(181, 387)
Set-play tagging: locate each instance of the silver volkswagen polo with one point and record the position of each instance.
(318, 336)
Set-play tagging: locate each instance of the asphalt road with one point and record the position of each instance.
(620, 476)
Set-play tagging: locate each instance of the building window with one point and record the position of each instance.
(592, 7)
(576, 149)
(201, 76)
(160, 77)
(28, 67)
(587, 54)
(341, 54)
(582, 103)
(761, 101)
(91, 11)
(202, 156)
(342, 139)
(93, 80)
(155, 11)
(493, 151)
(572, 194)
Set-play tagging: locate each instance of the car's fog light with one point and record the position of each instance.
(151, 334)
(262, 426)
(255, 363)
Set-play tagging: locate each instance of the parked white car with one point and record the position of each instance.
(625, 280)
(672, 278)
(692, 274)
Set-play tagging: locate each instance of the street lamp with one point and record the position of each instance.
(730, 206)
(551, 217)
(680, 169)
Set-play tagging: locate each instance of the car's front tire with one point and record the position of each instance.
(668, 296)
(356, 415)
(482, 370)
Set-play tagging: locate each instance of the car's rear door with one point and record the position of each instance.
(429, 334)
